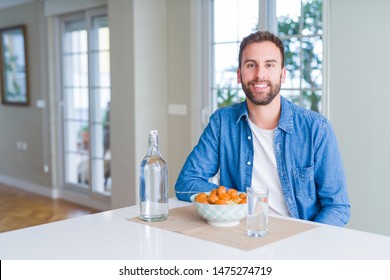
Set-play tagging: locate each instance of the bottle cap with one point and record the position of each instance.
(153, 132)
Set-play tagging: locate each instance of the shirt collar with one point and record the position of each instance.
(286, 115)
(242, 111)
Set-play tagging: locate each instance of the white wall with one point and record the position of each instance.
(151, 75)
(359, 106)
(26, 124)
(122, 103)
(179, 84)
(138, 42)
(58, 7)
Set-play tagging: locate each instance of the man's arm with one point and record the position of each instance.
(330, 180)
(201, 164)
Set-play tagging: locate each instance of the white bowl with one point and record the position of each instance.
(221, 215)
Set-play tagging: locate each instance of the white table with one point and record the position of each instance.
(110, 235)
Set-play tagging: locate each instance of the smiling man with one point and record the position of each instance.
(267, 140)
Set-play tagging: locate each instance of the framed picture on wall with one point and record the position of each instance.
(13, 66)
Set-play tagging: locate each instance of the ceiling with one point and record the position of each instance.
(11, 3)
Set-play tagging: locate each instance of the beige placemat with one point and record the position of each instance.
(186, 220)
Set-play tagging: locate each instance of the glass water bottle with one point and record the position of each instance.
(153, 183)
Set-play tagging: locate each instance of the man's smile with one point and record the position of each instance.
(260, 85)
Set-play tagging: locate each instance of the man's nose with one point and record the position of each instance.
(260, 72)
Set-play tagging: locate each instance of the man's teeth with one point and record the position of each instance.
(261, 86)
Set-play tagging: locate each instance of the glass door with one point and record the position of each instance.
(86, 95)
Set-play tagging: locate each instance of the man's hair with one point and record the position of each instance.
(258, 37)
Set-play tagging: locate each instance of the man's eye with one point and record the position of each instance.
(250, 65)
(270, 65)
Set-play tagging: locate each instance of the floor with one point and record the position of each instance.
(20, 209)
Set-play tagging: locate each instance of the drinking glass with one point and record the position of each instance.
(257, 218)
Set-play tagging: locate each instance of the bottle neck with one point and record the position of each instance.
(153, 146)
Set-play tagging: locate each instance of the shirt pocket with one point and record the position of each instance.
(304, 182)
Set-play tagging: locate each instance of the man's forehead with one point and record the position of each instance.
(267, 50)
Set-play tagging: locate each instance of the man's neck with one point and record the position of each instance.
(265, 116)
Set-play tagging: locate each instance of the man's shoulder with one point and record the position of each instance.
(298, 119)
(306, 114)
(234, 111)
(232, 107)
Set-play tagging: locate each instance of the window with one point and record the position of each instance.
(86, 98)
(300, 28)
(297, 22)
(233, 20)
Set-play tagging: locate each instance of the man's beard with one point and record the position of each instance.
(264, 98)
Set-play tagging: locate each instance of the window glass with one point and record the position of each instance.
(233, 20)
(300, 28)
(299, 25)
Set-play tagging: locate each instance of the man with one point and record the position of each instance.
(267, 140)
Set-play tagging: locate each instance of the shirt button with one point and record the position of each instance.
(249, 137)
(248, 163)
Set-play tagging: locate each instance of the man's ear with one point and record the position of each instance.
(283, 77)
(238, 76)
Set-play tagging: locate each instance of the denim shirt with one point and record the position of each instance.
(307, 156)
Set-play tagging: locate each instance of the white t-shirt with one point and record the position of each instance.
(265, 170)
